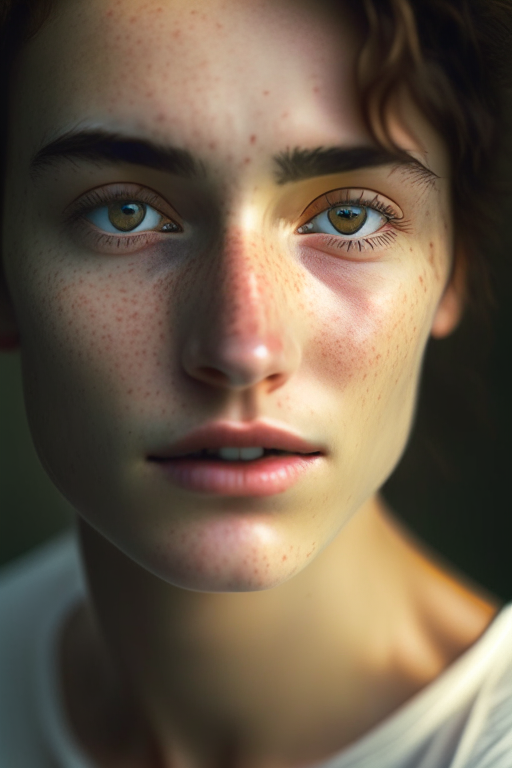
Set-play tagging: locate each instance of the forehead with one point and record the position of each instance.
(223, 68)
(212, 76)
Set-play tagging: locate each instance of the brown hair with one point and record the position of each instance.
(454, 58)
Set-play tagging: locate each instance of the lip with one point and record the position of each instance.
(224, 434)
(265, 476)
(262, 477)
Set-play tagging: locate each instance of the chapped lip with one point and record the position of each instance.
(223, 434)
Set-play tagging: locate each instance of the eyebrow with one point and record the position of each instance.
(103, 146)
(291, 165)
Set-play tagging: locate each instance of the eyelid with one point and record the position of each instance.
(366, 197)
(98, 197)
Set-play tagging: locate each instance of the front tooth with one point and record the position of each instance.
(235, 454)
(230, 454)
(251, 453)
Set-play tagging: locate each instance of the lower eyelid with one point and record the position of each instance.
(96, 239)
(375, 243)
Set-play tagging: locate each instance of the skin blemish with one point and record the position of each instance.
(252, 138)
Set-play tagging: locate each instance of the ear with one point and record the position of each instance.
(9, 335)
(451, 306)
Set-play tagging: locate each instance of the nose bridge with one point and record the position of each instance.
(248, 286)
(239, 334)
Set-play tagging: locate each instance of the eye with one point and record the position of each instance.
(348, 219)
(129, 216)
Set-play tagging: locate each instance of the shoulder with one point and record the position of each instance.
(486, 741)
(33, 590)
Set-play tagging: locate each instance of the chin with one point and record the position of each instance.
(203, 566)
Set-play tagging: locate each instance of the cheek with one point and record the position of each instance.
(372, 323)
(95, 344)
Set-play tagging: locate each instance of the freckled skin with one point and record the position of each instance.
(239, 318)
(155, 345)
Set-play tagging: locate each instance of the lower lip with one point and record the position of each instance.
(263, 477)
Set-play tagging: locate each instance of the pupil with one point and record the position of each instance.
(348, 219)
(126, 215)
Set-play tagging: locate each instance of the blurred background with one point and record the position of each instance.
(452, 487)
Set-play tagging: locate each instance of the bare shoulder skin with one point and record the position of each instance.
(199, 233)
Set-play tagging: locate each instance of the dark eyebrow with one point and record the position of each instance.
(298, 164)
(291, 165)
(101, 146)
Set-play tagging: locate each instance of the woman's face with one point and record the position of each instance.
(249, 280)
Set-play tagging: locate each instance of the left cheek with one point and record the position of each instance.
(373, 340)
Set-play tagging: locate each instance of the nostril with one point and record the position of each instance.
(213, 375)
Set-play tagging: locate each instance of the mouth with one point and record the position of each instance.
(228, 454)
(225, 472)
(228, 459)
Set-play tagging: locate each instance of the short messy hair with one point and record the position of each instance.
(454, 56)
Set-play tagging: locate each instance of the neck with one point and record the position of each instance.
(266, 677)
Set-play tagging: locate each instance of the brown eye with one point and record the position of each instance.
(348, 219)
(126, 215)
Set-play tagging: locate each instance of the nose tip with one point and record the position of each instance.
(237, 364)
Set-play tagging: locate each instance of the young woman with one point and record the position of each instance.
(229, 230)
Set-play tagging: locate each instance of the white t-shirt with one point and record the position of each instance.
(463, 719)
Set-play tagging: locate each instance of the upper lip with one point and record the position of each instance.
(238, 435)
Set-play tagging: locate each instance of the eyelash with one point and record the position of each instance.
(346, 197)
(99, 198)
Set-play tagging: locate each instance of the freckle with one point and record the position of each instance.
(284, 558)
(285, 114)
(247, 160)
(176, 33)
(266, 93)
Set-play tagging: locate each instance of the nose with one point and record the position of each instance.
(239, 330)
